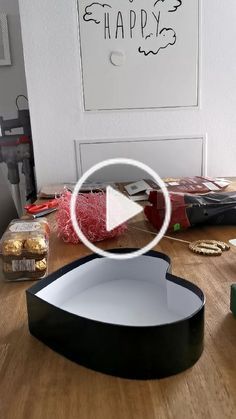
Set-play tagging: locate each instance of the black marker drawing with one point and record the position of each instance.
(143, 23)
(167, 36)
(119, 25)
(169, 5)
(132, 21)
(164, 37)
(95, 12)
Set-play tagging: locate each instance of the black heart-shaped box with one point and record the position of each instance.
(129, 318)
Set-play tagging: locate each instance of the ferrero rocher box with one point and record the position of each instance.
(24, 248)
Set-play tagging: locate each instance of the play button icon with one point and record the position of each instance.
(119, 208)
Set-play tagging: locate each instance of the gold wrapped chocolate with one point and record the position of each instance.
(12, 247)
(24, 248)
(36, 245)
(41, 265)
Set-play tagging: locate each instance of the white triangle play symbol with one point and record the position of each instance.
(119, 209)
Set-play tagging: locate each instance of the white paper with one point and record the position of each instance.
(211, 186)
(136, 187)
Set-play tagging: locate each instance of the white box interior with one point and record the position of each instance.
(131, 292)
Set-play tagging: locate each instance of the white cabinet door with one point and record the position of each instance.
(139, 54)
(169, 157)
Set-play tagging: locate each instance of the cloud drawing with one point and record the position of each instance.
(95, 12)
(153, 45)
(168, 5)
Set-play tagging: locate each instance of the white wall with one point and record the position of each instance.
(12, 78)
(7, 210)
(51, 48)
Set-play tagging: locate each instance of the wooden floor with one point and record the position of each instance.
(36, 382)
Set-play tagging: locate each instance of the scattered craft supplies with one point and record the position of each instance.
(90, 215)
(209, 247)
(50, 191)
(43, 213)
(38, 210)
(139, 191)
(191, 210)
(136, 187)
(53, 190)
(201, 247)
(196, 184)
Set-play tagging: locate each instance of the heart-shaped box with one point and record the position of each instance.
(129, 318)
